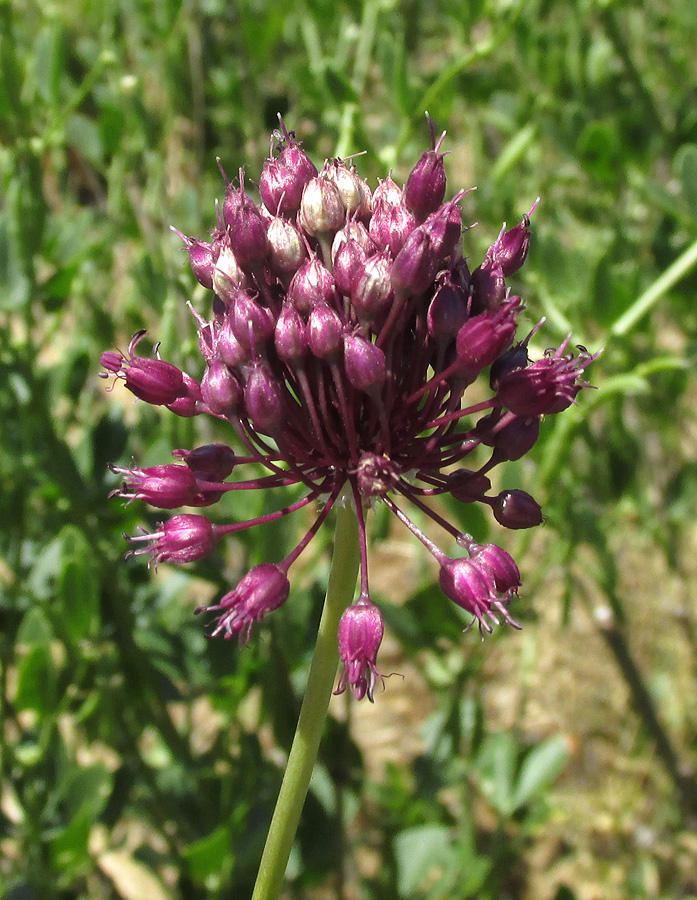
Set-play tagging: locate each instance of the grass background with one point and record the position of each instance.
(140, 759)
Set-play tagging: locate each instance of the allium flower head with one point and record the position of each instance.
(342, 334)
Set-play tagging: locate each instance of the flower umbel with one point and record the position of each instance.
(344, 329)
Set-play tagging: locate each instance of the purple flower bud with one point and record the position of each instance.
(220, 389)
(228, 277)
(325, 332)
(546, 386)
(321, 209)
(354, 192)
(295, 159)
(211, 462)
(182, 539)
(416, 264)
(252, 323)
(516, 438)
(263, 399)
(287, 250)
(190, 404)
(261, 591)
(425, 187)
(387, 194)
(516, 509)
(360, 634)
(515, 358)
(247, 230)
(372, 289)
(501, 564)
(487, 287)
(283, 180)
(348, 261)
(201, 259)
(311, 286)
(390, 226)
(472, 585)
(468, 486)
(364, 363)
(165, 487)
(485, 336)
(290, 335)
(151, 380)
(444, 227)
(511, 248)
(447, 312)
(227, 348)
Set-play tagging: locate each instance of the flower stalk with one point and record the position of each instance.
(313, 713)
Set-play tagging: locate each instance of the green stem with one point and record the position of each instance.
(674, 273)
(301, 761)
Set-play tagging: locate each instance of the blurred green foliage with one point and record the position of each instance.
(140, 759)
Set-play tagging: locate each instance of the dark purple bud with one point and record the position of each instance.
(485, 336)
(447, 312)
(211, 462)
(372, 290)
(501, 564)
(290, 335)
(515, 358)
(201, 259)
(444, 228)
(348, 261)
(182, 539)
(220, 389)
(247, 230)
(312, 285)
(360, 634)
(321, 209)
(425, 187)
(516, 509)
(294, 158)
(287, 250)
(325, 332)
(546, 386)
(468, 486)
(261, 591)
(511, 248)
(165, 487)
(252, 324)
(471, 585)
(415, 265)
(516, 438)
(151, 380)
(364, 363)
(263, 400)
(487, 287)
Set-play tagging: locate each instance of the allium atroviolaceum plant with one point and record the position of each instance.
(344, 329)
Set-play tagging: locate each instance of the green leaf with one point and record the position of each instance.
(209, 857)
(420, 852)
(686, 168)
(540, 768)
(495, 766)
(77, 591)
(36, 680)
